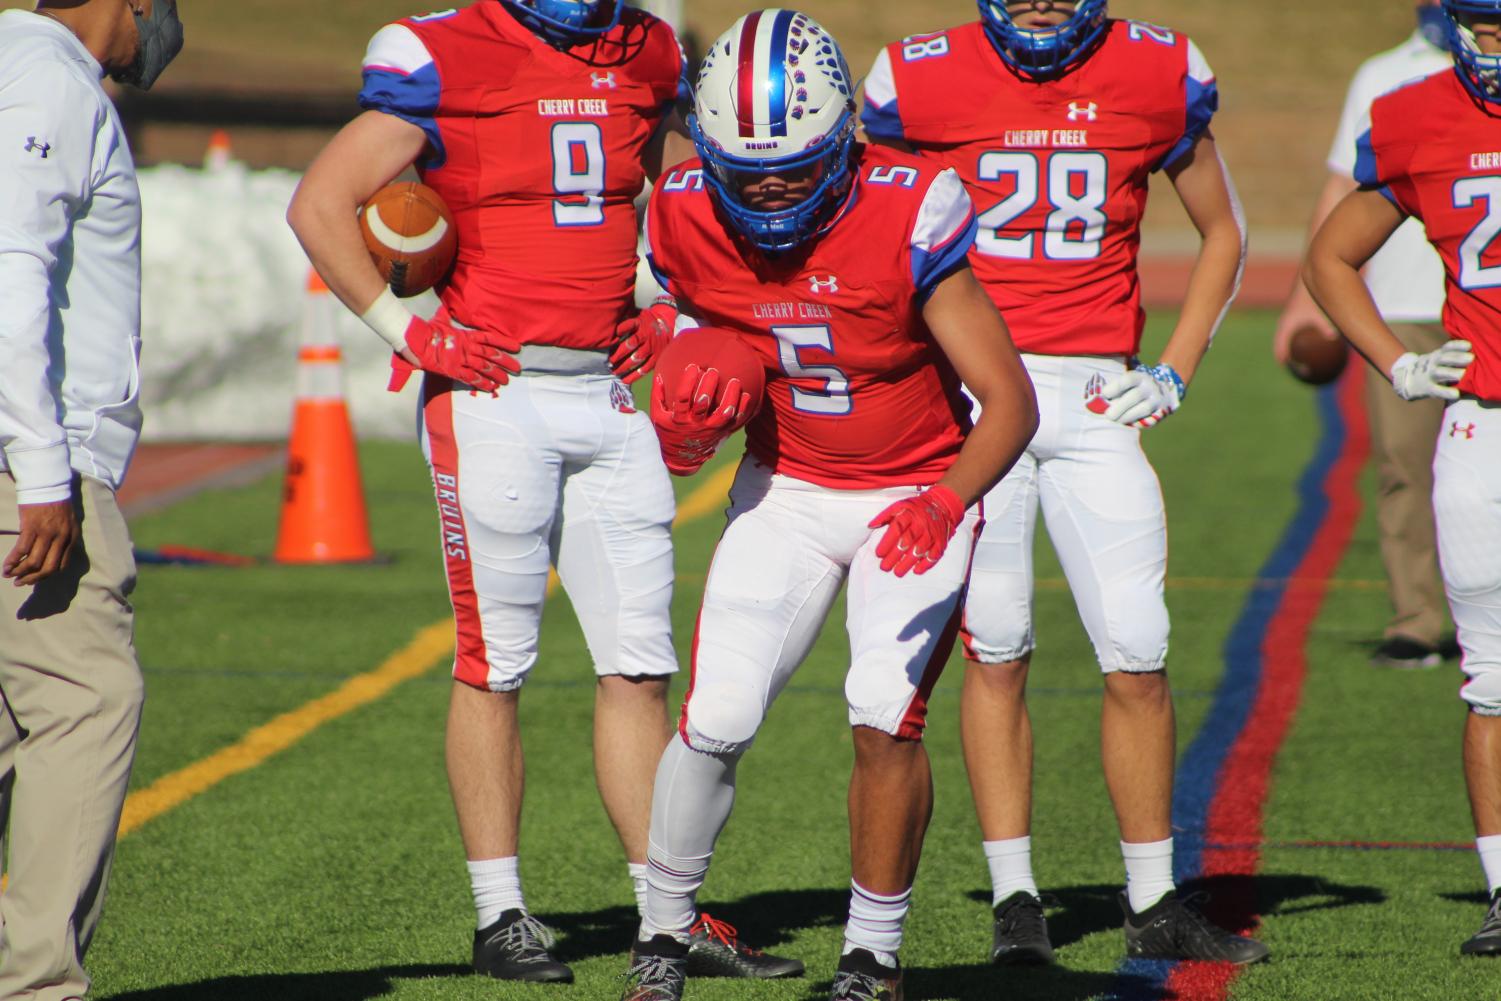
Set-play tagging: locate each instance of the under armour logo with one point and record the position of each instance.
(819, 285)
(1089, 112)
(1456, 429)
(601, 81)
(32, 146)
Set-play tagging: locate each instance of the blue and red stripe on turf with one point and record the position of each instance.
(1224, 776)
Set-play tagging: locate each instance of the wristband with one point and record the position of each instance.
(389, 318)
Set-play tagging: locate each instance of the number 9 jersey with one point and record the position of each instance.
(1435, 152)
(858, 394)
(537, 152)
(1058, 168)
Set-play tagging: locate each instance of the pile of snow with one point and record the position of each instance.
(223, 285)
(224, 281)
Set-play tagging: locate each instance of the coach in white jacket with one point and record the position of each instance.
(70, 319)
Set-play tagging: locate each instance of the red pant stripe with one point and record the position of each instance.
(470, 666)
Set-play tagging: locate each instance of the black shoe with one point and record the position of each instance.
(1173, 928)
(1487, 941)
(1449, 648)
(715, 950)
(658, 968)
(515, 948)
(1021, 932)
(1406, 654)
(862, 977)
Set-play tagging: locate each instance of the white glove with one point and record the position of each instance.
(1416, 376)
(1143, 396)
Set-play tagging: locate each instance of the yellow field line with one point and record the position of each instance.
(426, 650)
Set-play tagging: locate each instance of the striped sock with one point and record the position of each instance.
(875, 922)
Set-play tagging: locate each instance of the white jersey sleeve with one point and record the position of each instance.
(49, 123)
(943, 233)
(881, 116)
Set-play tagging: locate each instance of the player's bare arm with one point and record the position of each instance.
(668, 147)
(973, 336)
(1349, 237)
(1204, 186)
(1300, 310)
(364, 156)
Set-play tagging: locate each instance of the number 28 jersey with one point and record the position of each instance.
(537, 152)
(1058, 169)
(1435, 151)
(858, 394)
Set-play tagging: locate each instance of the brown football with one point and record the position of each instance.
(410, 235)
(1314, 358)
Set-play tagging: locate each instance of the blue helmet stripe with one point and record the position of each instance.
(777, 69)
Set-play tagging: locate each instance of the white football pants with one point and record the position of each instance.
(1467, 514)
(552, 470)
(786, 550)
(1103, 508)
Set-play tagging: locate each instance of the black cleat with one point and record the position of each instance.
(715, 950)
(1487, 941)
(658, 968)
(1406, 654)
(1174, 928)
(515, 948)
(1021, 932)
(862, 977)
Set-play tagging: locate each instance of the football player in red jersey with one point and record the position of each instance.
(1433, 151)
(844, 267)
(536, 121)
(1055, 115)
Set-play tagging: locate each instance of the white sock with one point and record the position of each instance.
(638, 884)
(1489, 848)
(496, 883)
(1010, 864)
(875, 923)
(691, 801)
(1149, 872)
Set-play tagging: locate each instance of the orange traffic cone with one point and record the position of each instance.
(323, 506)
(216, 157)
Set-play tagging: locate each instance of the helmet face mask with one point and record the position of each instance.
(1044, 52)
(567, 22)
(1480, 73)
(774, 100)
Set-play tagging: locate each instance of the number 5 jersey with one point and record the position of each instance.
(537, 152)
(1058, 168)
(858, 394)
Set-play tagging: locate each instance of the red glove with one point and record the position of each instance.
(642, 338)
(918, 530)
(484, 359)
(695, 417)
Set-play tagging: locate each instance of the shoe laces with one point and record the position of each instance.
(529, 939)
(1196, 923)
(1025, 916)
(856, 986)
(722, 932)
(1492, 922)
(657, 976)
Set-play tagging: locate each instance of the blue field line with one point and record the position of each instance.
(1199, 768)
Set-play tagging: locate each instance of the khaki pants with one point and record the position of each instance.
(1402, 440)
(72, 699)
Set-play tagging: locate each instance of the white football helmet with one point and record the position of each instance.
(774, 95)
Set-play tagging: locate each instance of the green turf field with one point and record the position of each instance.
(333, 871)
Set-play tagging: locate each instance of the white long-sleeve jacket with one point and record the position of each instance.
(70, 266)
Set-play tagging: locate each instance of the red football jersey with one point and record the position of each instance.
(1436, 153)
(858, 395)
(1058, 169)
(537, 152)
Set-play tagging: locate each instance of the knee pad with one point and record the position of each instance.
(509, 495)
(1482, 689)
(722, 718)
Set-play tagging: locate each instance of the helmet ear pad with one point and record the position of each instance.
(1050, 53)
(774, 96)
